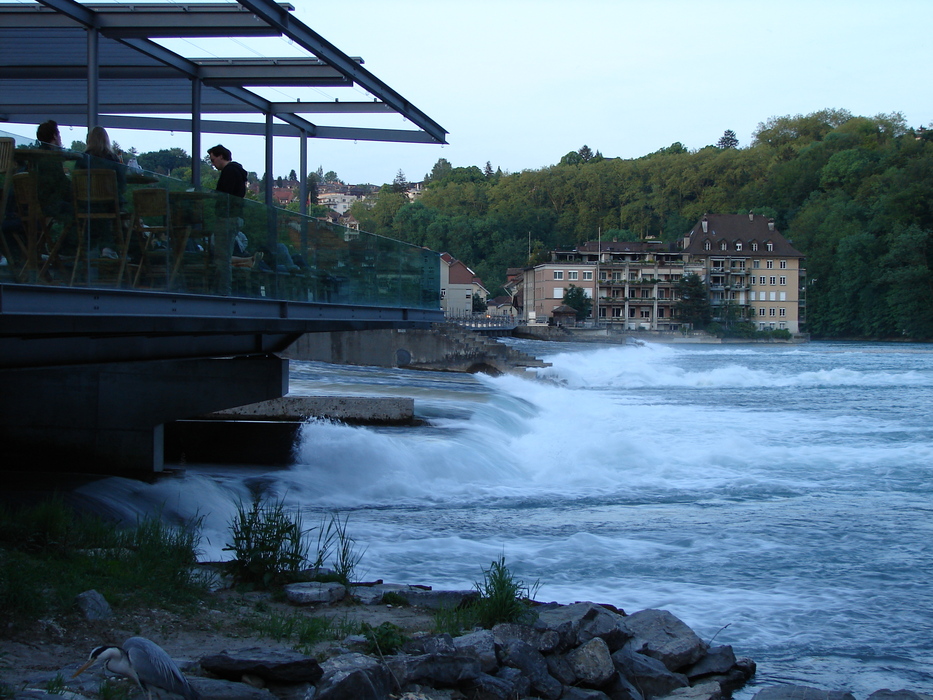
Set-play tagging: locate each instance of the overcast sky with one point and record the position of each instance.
(519, 83)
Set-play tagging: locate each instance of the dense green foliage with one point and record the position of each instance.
(48, 555)
(576, 298)
(852, 193)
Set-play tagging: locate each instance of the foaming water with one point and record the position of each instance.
(779, 492)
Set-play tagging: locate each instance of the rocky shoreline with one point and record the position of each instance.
(581, 651)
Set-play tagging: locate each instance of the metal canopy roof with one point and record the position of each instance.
(99, 64)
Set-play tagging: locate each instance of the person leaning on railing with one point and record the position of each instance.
(232, 182)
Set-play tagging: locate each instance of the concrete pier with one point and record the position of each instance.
(358, 410)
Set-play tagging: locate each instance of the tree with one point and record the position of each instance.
(293, 176)
(488, 171)
(479, 304)
(164, 161)
(693, 305)
(728, 140)
(399, 184)
(442, 168)
(331, 176)
(576, 298)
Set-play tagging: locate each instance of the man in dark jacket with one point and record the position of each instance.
(232, 182)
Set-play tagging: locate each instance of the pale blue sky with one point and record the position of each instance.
(519, 83)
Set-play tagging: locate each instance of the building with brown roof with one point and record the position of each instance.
(752, 271)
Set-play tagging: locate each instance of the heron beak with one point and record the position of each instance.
(84, 668)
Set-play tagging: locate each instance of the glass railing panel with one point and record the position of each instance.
(74, 219)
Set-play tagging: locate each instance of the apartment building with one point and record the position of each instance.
(459, 284)
(631, 283)
(752, 271)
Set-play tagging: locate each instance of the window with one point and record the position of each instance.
(782, 296)
(769, 264)
(782, 325)
(751, 281)
(782, 312)
(588, 275)
(661, 312)
(783, 280)
(631, 312)
(631, 294)
(633, 276)
(645, 293)
(602, 312)
(723, 245)
(751, 296)
(783, 264)
(617, 312)
(572, 275)
(756, 264)
(558, 293)
(754, 247)
(738, 245)
(771, 296)
(558, 274)
(761, 311)
(761, 280)
(706, 245)
(771, 312)
(772, 280)
(645, 313)
(770, 246)
(616, 276)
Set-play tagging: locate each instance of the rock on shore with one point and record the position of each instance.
(583, 651)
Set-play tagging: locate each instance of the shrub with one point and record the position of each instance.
(268, 542)
(502, 597)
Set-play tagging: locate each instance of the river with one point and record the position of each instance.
(774, 497)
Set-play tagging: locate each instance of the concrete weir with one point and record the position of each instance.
(267, 432)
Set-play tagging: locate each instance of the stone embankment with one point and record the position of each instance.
(582, 651)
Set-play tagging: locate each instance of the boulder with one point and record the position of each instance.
(800, 692)
(885, 694)
(310, 592)
(583, 694)
(544, 640)
(93, 606)
(651, 677)
(620, 688)
(717, 660)
(227, 690)
(353, 677)
(591, 662)
(432, 669)
(578, 623)
(524, 657)
(703, 691)
(481, 645)
(269, 664)
(657, 633)
(507, 684)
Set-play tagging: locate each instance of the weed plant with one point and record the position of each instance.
(502, 598)
(385, 639)
(49, 554)
(303, 631)
(268, 544)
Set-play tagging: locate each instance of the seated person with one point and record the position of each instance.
(102, 155)
(52, 184)
(99, 154)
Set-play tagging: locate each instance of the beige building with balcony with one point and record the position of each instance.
(752, 272)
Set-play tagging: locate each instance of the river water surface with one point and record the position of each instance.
(777, 498)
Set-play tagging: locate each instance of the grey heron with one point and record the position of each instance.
(146, 663)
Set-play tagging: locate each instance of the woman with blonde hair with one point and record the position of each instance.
(99, 154)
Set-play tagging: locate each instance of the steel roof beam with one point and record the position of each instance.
(310, 40)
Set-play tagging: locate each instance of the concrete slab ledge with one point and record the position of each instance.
(364, 410)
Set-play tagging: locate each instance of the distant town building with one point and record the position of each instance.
(752, 272)
(459, 284)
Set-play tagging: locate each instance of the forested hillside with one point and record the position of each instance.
(855, 194)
